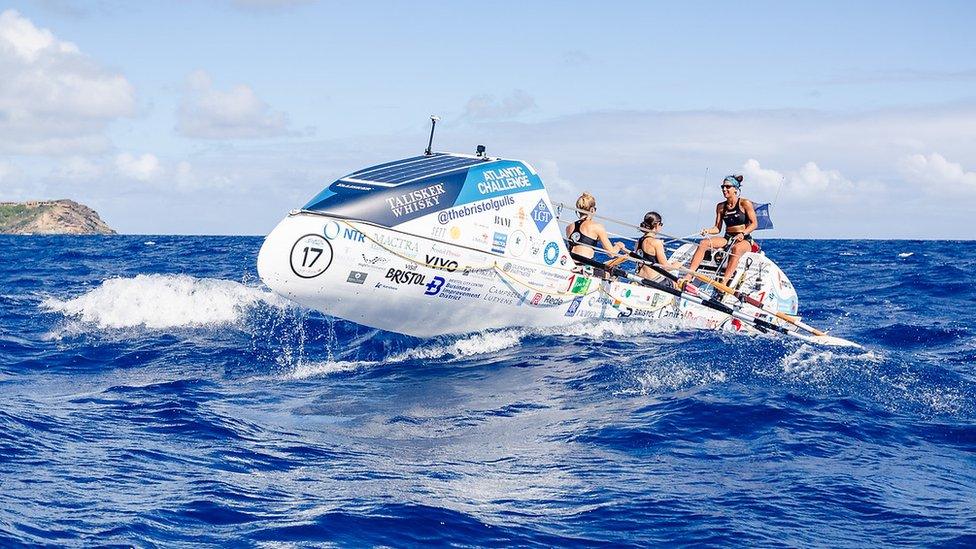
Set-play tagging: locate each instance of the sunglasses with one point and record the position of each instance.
(728, 186)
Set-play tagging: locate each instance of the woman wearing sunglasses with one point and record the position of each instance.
(739, 218)
(650, 248)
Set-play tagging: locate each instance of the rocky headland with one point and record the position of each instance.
(50, 217)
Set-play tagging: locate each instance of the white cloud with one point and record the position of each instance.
(488, 107)
(807, 182)
(765, 179)
(78, 168)
(557, 186)
(238, 113)
(934, 172)
(142, 168)
(53, 98)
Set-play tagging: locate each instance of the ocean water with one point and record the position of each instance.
(153, 393)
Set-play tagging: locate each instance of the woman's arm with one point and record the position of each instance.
(717, 227)
(609, 247)
(661, 256)
(751, 216)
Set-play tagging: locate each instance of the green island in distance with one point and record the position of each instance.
(50, 217)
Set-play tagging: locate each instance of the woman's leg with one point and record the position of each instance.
(714, 243)
(737, 251)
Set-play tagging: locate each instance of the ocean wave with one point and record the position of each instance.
(479, 344)
(157, 301)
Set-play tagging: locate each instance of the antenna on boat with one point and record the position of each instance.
(430, 142)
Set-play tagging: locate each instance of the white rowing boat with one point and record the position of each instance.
(449, 243)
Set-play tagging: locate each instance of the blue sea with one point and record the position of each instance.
(154, 393)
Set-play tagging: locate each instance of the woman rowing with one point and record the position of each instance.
(586, 235)
(739, 218)
(650, 248)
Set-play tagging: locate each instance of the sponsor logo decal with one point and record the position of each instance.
(405, 277)
(551, 254)
(571, 311)
(333, 230)
(552, 301)
(451, 289)
(396, 242)
(542, 215)
(356, 277)
(434, 286)
(503, 221)
(505, 295)
(535, 245)
(310, 256)
(520, 270)
(498, 242)
(579, 284)
(435, 262)
(517, 243)
(416, 201)
(375, 261)
(449, 251)
(438, 232)
(504, 179)
(563, 259)
(455, 232)
(490, 205)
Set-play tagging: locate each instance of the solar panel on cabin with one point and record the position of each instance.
(414, 168)
(391, 163)
(418, 170)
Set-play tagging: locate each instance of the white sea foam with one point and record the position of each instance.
(305, 370)
(677, 376)
(822, 367)
(484, 343)
(163, 301)
(906, 254)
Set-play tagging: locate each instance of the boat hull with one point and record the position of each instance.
(422, 286)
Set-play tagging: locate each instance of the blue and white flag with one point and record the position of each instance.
(762, 217)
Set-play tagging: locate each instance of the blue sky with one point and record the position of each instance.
(220, 116)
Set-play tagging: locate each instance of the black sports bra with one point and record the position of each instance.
(579, 238)
(640, 250)
(735, 216)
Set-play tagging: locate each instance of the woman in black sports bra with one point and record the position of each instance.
(586, 235)
(739, 218)
(650, 248)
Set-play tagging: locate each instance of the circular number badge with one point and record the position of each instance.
(311, 256)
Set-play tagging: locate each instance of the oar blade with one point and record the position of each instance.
(833, 341)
